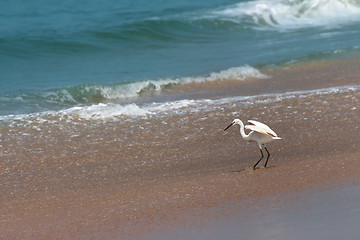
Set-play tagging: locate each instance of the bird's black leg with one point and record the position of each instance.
(262, 155)
(267, 159)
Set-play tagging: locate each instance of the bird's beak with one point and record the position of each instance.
(228, 126)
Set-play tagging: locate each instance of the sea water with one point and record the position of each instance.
(90, 55)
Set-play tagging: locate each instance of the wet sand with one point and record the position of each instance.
(127, 179)
(316, 212)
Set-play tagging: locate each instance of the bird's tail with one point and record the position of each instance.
(277, 138)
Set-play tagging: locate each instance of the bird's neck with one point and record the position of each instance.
(242, 131)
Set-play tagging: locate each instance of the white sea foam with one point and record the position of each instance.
(113, 111)
(99, 93)
(104, 111)
(290, 14)
(134, 89)
(235, 73)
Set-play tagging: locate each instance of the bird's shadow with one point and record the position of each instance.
(237, 171)
(250, 168)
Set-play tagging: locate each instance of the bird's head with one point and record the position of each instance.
(235, 121)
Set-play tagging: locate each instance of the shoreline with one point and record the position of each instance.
(112, 179)
(279, 79)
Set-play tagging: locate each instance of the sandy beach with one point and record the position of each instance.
(151, 177)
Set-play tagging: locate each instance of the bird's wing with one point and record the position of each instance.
(256, 129)
(260, 127)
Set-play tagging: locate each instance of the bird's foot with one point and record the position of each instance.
(258, 167)
(271, 166)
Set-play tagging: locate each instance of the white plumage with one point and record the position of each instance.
(260, 133)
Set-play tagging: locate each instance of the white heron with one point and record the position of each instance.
(260, 133)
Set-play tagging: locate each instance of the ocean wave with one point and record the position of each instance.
(113, 111)
(101, 93)
(151, 87)
(293, 14)
(96, 93)
(120, 112)
(277, 14)
(185, 24)
(190, 25)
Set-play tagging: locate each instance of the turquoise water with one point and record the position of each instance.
(57, 55)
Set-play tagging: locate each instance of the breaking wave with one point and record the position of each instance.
(96, 93)
(292, 14)
(116, 112)
(89, 94)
